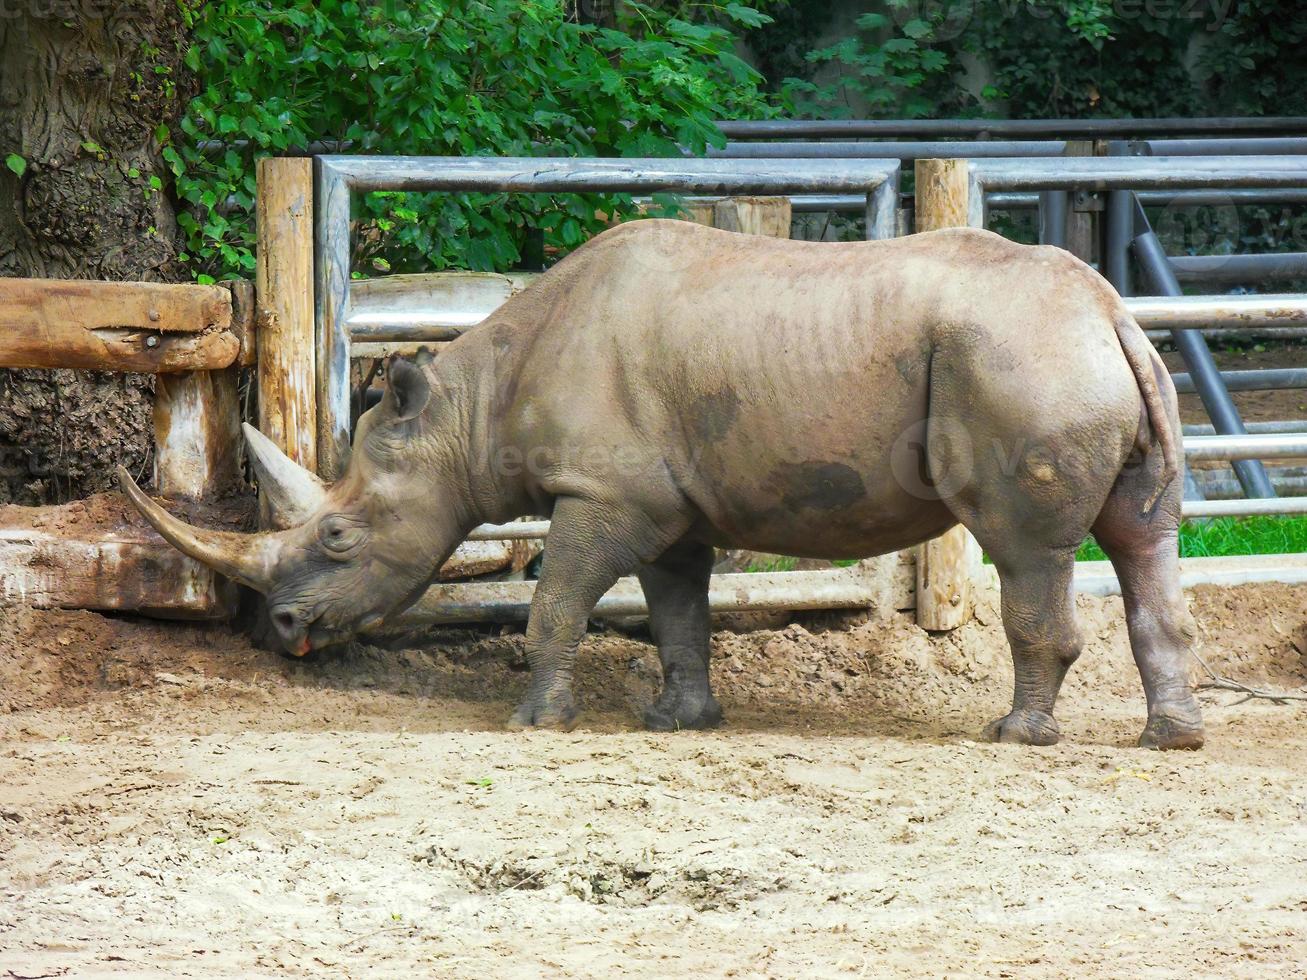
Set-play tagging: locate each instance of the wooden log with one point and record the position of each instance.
(44, 321)
(108, 573)
(768, 216)
(146, 327)
(284, 287)
(944, 564)
(97, 553)
(197, 434)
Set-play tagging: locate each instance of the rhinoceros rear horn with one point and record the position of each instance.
(291, 491)
(247, 558)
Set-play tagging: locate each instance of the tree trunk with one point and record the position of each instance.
(87, 87)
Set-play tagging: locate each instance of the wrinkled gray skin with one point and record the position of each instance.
(670, 388)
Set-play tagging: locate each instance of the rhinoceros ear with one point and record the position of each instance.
(408, 388)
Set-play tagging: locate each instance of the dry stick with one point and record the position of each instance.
(1225, 684)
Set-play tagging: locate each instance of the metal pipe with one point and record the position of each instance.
(1054, 208)
(1138, 173)
(515, 531)
(849, 588)
(1017, 200)
(1270, 379)
(1254, 428)
(1247, 446)
(1006, 128)
(338, 176)
(1275, 446)
(1215, 487)
(1231, 334)
(1193, 348)
(1269, 310)
(413, 309)
(1119, 219)
(1098, 577)
(903, 151)
(1211, 146)
(1244, 507)
(531, 175)
(1226, 269)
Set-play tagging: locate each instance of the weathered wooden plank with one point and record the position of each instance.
(146, 327)
(944, 564)
(287, 350)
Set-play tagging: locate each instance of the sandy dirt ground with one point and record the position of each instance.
(174, 802)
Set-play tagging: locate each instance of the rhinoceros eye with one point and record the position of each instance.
(340, 535)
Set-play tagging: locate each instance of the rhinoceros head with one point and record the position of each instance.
(340, 557)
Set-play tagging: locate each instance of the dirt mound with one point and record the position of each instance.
(892, 670)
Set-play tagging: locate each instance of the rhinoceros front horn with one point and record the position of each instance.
(292, 492)
(248, 558)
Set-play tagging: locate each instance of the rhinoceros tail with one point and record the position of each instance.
(1152, 377)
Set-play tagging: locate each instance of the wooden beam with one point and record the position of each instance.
(145, 327)
(284, 289)
(944, 564)
(197, 434)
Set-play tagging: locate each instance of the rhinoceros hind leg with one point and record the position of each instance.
(676, 588)
(1039, 617)
(1144, 553)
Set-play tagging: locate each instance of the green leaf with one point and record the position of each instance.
(747, 16)
(16, 163)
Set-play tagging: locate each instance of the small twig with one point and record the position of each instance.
(1225, 684)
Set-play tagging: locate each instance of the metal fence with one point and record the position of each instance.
(433, 308)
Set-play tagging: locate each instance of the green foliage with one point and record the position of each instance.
(1229, 536)
(16, 164)
(438, 77)
(892, 67)
(1061, 58)
(1253, 65)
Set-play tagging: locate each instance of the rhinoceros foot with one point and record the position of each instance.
(675, 713)
(1174, 725)
(558, 713)
(1024, 726)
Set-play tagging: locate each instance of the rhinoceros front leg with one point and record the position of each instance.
(590, 547)
(676, 588)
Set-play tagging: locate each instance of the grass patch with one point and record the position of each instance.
(1228, 536)
(780, 563)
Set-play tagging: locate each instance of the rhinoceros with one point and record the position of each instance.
(668, 389)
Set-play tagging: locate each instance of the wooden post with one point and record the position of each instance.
(944, 564)
(284, 288)
(768, 216)
(1081, 226)
(197, 433)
